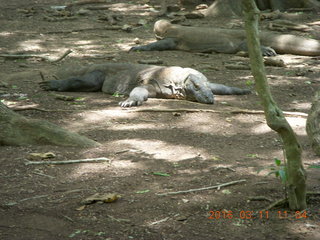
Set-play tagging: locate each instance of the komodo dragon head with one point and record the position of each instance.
(196, 89)
(160, 28)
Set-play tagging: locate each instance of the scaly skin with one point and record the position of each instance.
(209, 39)
(141, 82)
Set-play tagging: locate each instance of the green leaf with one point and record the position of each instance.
(117, 94)
(314, 166)
(283, 175)
(272, 172)
(75, 233)
(143, 191)
(161, 174)
(277, 161)
(226, 191)
(249, 82)
(79, 99)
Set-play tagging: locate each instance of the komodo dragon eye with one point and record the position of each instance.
(196, 85)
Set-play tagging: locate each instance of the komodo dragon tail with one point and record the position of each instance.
(221, 89)
(291, 44)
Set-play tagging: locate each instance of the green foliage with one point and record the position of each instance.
(86, 232)
(249, 83)
(161, 174)
(143, 191)
(278, 169)
(314, 166)
(117, 94)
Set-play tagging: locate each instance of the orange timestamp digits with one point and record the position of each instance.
(224, 214)
(264, 214)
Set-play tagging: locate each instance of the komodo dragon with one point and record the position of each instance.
(141, 82)
(205, 39)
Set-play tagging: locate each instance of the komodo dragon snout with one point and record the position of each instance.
(198, 90)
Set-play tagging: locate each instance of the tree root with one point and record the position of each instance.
(235, 111)
(187, 110)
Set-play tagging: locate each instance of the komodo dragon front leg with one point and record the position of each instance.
(138, 95)
(160, 45)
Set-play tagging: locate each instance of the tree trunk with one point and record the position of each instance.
(18, 130)
(296, 176)
(229, 8)
(313, 124)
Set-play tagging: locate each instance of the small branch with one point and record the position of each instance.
(26, 199)
(84, 2)
(24, 56)
(62, 56)
(260, 198)
(227, 168)
(278, 203)
(235, 111)
(87, 29)
(28, 107)
(201, 189)
(44, 175)
(187, 110)
(119, 219)
(160, 221)
(89, 160)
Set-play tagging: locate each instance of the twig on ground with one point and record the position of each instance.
(61, 57)
(204, 188)
(119, 219)
(187, 110)
(114, 27)
(282, 202)
(233, 111)
(42, 174)
(228, 168)
(84, 2)
(260, 198)
(68, 218)
(24, 56)
(88, 160)
(42, 76)
(26, 199)
(28, 107)
(160, 221)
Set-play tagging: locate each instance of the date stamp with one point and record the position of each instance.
(265, 214)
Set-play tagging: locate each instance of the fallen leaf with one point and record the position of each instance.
(40, 156)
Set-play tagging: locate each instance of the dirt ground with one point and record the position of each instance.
(149, 152)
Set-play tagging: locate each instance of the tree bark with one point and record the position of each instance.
(296, 177)
(19, 130)
(313, 124)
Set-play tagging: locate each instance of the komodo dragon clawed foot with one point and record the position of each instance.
(141, 82)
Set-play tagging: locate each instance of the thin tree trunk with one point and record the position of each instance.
(296, 177)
